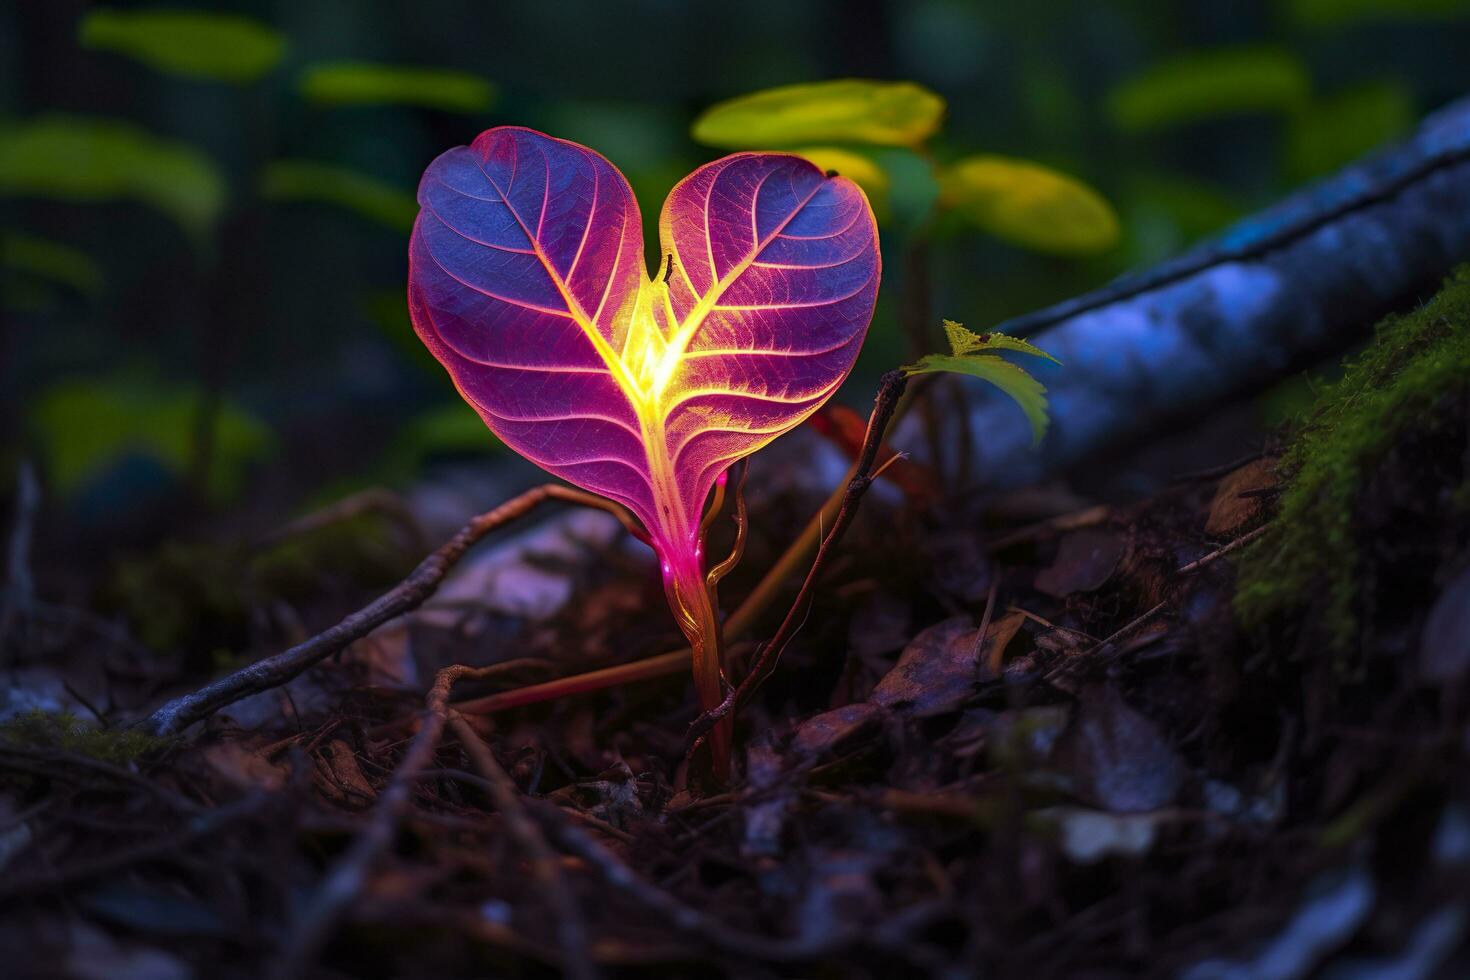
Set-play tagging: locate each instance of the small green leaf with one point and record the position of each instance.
(1023, 389)
(1210, 84)
(83, 159)
(963, 340)
(87, 425)
(1029, 205)
(325, 183)
(1010, 378)
(862, 170)
(51, 261)
(1340, 129)
(850, 110)
(221, 47)
(351, 83)
(1323, 14)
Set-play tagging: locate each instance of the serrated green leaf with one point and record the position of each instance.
(222, 47)
(849, 110)
(1010, 378)
(1029, 205)
(325, 183)
(51, 261)
(1210, 84)
(963, 340)
(87, 425)
(349, 83)
(85, 159)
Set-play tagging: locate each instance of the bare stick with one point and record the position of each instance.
(889, 392)
(683, 918)
(350, 875)
(409, 594)
(545, 865)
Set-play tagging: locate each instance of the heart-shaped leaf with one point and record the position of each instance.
(526, 280)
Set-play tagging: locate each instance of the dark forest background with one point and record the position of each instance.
(207, 310)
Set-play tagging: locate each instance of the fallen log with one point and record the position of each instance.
(1273, 293)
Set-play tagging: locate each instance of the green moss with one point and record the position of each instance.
(1417, 365)
(38, 729)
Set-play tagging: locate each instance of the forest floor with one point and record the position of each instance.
(1038, 742)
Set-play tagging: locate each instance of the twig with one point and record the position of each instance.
(409, 594)
(889, 392)
(711, 929)
(196, 828)
(1138, 621)
(545, 866)
(348, 878)
(1218, 553)
(19, 592)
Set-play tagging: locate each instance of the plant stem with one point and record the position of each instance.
(690, 598)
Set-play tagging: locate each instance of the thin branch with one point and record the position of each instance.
(349, 877)
(409, 594)
(889, 391)
(545, 864)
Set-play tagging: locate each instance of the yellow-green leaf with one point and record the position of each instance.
(222, 47)
(862, 170)
(1340, 129)
(1210, 84)
(1029, 205)
(963, 340)
(325, 183)
(51, 261)
(82, 159)
(1010, 378)
(850, 110)
(348, 83)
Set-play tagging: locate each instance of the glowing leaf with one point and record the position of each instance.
(850, 110)
(1208, 84)
(862, 170)
(526, 280)
(224, 47)
(347, 83)
(81, 159)
(967, 358)
(1029, 205)
(325, 183)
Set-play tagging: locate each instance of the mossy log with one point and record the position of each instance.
(1277, 291)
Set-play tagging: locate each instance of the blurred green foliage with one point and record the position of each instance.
(87, 425)
(1030, 205)
(1207, 84)
(1070, 142)
(355, 83)
(194, 44)
(325, 183)
(81, 159)
(846, 110)
(51, 261)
